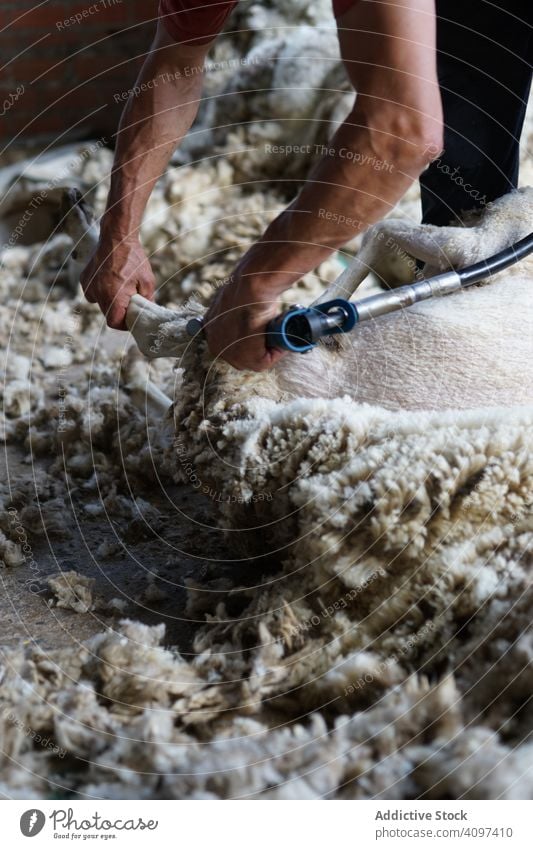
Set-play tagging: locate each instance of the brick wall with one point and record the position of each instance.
(61, 73)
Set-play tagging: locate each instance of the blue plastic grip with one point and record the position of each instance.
(300, 328)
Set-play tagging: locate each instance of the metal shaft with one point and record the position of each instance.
(405, 296)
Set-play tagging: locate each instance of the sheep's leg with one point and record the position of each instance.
(148, 395)
(79, 223)
(143, 391)
(438, 246)
(352, 277)
(154, 328)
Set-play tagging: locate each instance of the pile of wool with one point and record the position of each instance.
(73, 591)
(388, 655)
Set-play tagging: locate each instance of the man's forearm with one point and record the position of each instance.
(381, 148)
(159, 111)
(347, 191)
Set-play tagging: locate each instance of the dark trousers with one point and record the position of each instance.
(485, 53)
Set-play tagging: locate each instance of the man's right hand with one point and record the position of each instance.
(118, 269)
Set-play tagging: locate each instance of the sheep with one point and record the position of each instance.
(240, 437)
(473, 349)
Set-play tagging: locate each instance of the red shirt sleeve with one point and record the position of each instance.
(192, 21)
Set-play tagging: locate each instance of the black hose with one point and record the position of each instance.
(501, 260)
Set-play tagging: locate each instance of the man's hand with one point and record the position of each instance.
(117, 270)
(235, 326)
